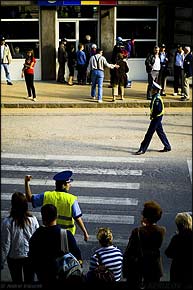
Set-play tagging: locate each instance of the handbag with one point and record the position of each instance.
(132, 261)
(101, 273)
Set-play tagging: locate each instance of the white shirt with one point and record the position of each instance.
(15, 240)
(156, 65)
(2, 50)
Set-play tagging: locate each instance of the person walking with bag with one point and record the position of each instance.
(28, 73)
(141, 260)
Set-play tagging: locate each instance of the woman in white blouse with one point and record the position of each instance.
(16, 230)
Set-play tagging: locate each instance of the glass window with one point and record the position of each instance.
(136, 12)
(142, 48)
(19, 11)
(67, 30)
(77, 11)
(90, 28)
(136, 29)
(18, 49)
(20, 29)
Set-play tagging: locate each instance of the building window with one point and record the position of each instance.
(20, 27)
(87, 11)
(140, 24)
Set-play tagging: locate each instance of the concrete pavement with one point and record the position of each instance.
(51, 94)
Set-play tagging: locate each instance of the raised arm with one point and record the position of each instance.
(27, 188)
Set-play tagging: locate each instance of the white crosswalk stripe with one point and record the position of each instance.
(93, 200)
(92, 218)
(87, 184)
(75, 158)
(82, 170)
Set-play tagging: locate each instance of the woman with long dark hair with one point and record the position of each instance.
(28, 73)
(16, 231)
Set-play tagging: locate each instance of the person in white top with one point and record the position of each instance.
(6, 59)
(16, 230)
(95, 68)
(153, 66)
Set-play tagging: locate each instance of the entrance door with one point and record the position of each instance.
(75, 30)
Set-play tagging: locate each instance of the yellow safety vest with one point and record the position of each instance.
(151, 108)
(63, 201)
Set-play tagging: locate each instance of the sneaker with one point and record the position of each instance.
(100, 101)
(29, 98)
(9, 83)
(175, 94)
(93, 98)
(34, 99)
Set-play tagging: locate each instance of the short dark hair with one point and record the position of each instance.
(152, 211)
(98, 50)
(49, 213)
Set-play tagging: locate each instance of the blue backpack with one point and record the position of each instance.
(67, 265)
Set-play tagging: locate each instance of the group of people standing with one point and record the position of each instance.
(157, 67)
(78, 60)
(90, 65)
(30, 248)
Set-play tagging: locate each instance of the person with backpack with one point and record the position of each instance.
(45, 247)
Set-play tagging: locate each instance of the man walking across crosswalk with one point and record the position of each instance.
(67, 205)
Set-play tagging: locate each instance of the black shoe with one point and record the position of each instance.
(139, 152)
(165, 150)
(9, 83)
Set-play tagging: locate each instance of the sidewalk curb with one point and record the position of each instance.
(130, 104)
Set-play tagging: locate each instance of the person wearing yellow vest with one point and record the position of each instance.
(156, 115)
(67, 205)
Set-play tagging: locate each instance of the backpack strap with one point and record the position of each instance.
(97, 61)
(64, 241)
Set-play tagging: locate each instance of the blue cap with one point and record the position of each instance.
(156, 86)
(63, 176)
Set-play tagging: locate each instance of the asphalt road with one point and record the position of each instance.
(111, 183)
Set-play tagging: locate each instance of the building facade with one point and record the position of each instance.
(42, 24)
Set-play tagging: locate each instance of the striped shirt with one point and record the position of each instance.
(111, 257)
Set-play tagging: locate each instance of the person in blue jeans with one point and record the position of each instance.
(95, 68)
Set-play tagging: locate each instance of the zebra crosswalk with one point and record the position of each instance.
(15, 166)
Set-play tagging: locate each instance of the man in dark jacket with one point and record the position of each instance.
(45, 246)
(188, 72)
(62, 59)
(156, 115)
(153, 66)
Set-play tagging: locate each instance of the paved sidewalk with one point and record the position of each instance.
(51, 94)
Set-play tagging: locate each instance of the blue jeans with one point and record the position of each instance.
(97, 77)
(7, 74)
